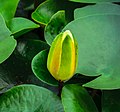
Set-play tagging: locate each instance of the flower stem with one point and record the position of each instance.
(60, 86)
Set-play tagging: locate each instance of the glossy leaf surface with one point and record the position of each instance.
(47, 9)
(39, 67)
(29, 98)
(19, 26)
(55, 26)
(76, 99)
(4, 31)
(44, 12)
(97, 9)
(7, 42)
(7, 46)
(98, 49)
(8, 8)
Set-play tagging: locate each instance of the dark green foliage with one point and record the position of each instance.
(27, 30)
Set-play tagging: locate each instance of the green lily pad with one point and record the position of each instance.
(110, 101)
(97, 9)
(19, 26)
(76, 99)
(8, 8)
(47, 9)
(98, 49)
(30, 98)
(55, 26)
(39, 67)
(7, 42)
(94, 1)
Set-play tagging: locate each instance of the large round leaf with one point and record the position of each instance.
(29, 98)
(7, 42)
(58, 20)
(8, 8)
(39, 67)
(76, 99)
(97, 9)
(98, 49)
(94, 1)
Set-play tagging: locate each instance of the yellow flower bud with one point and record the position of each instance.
(62, 56)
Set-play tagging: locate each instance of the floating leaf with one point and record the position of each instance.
(98, 49)
(8, 8)
(97, 9)
(39, 67)
(76, 99)
(29, 98)
(19, 26)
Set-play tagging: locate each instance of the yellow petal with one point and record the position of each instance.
(62, 57)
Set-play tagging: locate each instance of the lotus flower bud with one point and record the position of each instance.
(62, 56)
